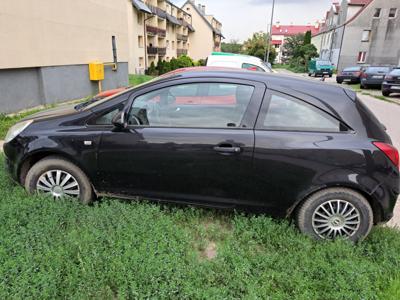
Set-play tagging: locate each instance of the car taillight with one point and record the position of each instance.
(390, 151)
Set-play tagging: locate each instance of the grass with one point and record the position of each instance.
(115, 249)
(138, 79)
(294, 69)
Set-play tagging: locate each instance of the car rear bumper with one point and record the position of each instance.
(371, 81)
(348, 78)
(391, 87)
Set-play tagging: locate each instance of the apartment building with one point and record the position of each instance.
(281, 32)
(360, 32)
(158, 30)
(46, 46)
(208, 35)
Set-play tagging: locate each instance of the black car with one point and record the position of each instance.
(221, 138)
(374, 76)
(391, 84)
(350, 75)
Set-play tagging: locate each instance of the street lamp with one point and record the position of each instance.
(270, 32)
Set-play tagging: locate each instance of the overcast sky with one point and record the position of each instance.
(240, 18)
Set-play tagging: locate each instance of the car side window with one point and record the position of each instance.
(290, 114)
(107, 117)
(252, 67)
(198, 105)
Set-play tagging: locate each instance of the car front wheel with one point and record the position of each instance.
(386, 93)
(335, 213)
(60, 179)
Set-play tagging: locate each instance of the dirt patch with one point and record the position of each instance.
(210, 252)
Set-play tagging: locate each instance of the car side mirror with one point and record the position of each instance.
(119, 120)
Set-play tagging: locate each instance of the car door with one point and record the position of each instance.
(187, 140)
(297, 144)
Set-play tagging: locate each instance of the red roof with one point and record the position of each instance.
(359, 2)
(288, 30)
(276, 42)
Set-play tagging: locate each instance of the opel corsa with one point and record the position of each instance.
(221, 138)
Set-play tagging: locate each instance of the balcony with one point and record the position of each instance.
(180, 52)
(161, 32)
(162, 51)
(153, 31)
(182, 37)
(152, 50)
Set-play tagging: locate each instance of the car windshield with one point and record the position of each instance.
(378, 69)
(93, 103)
(323, 63)
(353, 69)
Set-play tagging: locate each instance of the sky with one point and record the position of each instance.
(240, 18)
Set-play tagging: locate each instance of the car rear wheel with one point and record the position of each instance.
(60, 179)
(339, 81)
(335, 213)
(385, 93)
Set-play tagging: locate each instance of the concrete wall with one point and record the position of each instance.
(29, 87)
(384, 46)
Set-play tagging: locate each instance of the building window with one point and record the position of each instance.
(173, 45)
(141, 61)
(393, 13)
(361, 57)
(140, 41)
(366, 36)
(167, 44)
(377, 13)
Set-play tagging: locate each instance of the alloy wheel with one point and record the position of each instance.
(58, 183)
(336, 218)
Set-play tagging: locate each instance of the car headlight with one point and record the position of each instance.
(16, 130)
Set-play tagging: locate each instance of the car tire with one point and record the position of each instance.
(330, 76)
(48, 176)
(339, 81)
(386, 93)
(313, 217)
(363, 86)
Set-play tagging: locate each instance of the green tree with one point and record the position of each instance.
(232, 47)
(257, 46)
(307, 38)
(292, 46)
(184, 61)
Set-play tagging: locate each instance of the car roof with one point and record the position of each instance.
(222, 56)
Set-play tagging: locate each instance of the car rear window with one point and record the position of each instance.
(395, 72)
(354, 69)
(378, 69)
(323, 63)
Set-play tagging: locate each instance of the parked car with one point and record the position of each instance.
(237, 61)
(317, 67)
(222, 138)
(391, 83)
(374, 76)
(350, 75)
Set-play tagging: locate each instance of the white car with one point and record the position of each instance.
(238, 61)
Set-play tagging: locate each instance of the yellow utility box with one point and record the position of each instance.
(96, 71)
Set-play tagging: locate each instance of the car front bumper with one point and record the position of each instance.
(348, 78)
(371, 81)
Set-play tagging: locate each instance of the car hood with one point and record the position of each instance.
(62, 110)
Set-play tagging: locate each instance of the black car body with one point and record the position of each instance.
(293, 138)
(350, 75)
(391, 84)
(373, 76)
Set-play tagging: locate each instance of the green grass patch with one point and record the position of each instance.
(139, 79)
(117, 249)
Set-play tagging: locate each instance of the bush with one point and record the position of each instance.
(163, 66)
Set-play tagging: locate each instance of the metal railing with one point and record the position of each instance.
(180, 52)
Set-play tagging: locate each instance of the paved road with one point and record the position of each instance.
(388, 113)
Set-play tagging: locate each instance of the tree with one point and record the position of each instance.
(292, 46)
(308, 52)
(307, 38)
(257, 46)
(232, 47)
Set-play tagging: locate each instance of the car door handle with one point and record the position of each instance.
(228, 149)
